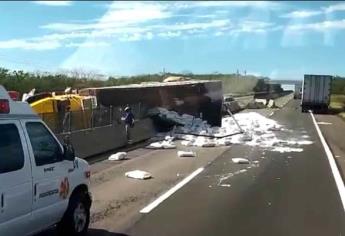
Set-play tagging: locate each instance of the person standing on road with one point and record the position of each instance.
(129, 122)
(66, 120)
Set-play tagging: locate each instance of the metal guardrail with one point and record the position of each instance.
(62, 123)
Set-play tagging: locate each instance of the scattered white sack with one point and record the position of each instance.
(155, 145)
(169, 138)
(304, 142)
(286, 149)
(209, 144)
(138, 174)
(187, 143)
(118, 156)
(186, 154)
(223, 142)
(274, 128)
(246, 137)
(168, 145)
(162, 145)
(324, 123)
(240, 160)
(204, 142)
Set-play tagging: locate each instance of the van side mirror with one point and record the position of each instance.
(68, 152)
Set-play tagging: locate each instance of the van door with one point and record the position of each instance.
(15, 181)
(50, 177)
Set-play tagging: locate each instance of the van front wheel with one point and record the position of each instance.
(77, 217)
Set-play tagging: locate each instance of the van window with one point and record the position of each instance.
(45, 147)
(11, 150)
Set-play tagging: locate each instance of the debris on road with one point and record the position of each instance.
(204, 142)
(162, 145)
(225, 185)
(118, 156)
(223, 142)
(186, 154)
(286, 149)
(138, 174)
(240, 160)
(187, 143)
(248, 128)
(324, 123)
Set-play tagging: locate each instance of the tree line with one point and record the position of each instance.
(23, 82)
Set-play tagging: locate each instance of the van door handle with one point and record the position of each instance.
(2, 201)
(35, 190)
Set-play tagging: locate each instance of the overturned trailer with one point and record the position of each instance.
(201, 99)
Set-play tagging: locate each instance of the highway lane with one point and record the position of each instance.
(333, 128)
(285, 194)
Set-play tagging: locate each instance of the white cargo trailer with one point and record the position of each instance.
(316, 91)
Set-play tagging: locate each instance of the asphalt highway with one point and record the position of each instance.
(290, 193)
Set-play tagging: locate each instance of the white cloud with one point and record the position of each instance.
(88, 44)
(170, 34)
(302, 14)
(133, 21)
(255, 26)
(319, 26)
(30, 44)
(335, 7)
(252, 4)
(118, 16)
(54, 3)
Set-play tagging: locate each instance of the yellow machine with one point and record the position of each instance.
(52, 109)
(59, 103)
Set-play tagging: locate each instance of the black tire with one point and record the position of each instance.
(78, 205)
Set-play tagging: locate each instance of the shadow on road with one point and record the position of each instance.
(91, 232)
(102, 232)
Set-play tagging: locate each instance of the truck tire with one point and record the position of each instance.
(76, 219)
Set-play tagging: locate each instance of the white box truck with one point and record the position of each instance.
(316, 90)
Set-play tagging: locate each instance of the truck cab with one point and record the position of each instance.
(42, 183)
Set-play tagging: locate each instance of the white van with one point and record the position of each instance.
(42, 183)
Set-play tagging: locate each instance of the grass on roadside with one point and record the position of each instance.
(338, 102)
(342, 115)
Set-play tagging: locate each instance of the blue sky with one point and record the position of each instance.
(276, 39)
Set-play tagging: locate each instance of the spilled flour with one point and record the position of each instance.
(258, 130)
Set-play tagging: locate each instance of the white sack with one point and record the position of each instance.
(138, 174)
(118, 156)
(240, 160)
(186, 154)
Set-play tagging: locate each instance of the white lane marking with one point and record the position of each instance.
(271, 114)
(337, 177)
(163, 197)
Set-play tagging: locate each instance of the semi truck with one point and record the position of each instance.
(316, 90)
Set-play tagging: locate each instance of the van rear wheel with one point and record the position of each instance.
(77, 217)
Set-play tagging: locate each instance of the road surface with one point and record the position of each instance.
(279, 194)
(288, 194)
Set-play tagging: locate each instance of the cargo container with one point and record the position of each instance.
(202, 99)
(316, 91)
